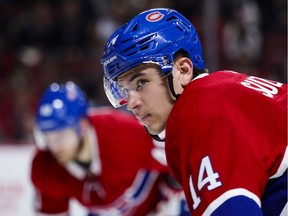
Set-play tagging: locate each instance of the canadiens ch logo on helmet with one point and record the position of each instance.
(154, 16)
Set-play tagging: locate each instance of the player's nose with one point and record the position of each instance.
(133, 101)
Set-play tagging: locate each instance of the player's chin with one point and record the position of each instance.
(62, 160)
(154, 129)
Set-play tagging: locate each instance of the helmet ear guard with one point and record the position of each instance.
(153, 36)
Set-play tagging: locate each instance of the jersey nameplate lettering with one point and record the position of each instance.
(267, 87)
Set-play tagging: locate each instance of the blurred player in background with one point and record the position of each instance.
(101, 157)
(226, 132)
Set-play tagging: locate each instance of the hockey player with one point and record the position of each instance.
(225, 132)
(102, 158)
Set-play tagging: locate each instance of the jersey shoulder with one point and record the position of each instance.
(46, 173)
(109, 117)
(118, 127)
(118, 131)
(231, 83)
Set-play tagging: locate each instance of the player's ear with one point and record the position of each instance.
(185, 67)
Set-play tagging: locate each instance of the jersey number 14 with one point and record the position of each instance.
(206, 176)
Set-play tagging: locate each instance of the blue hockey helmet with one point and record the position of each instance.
(153, 36)
(61, 106)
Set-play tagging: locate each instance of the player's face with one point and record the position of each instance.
(63, 144)
(148, 97)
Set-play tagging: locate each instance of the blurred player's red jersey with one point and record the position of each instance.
(226, 138)
(123, 177)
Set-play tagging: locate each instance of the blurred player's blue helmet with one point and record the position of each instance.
(153, 36)
(61, 106)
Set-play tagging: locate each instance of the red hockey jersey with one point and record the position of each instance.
(226, 137)
(124, 179)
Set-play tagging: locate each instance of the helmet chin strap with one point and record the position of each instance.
(171, 86)
(155, 137)
(196, 72)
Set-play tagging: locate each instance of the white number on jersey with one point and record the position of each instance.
(267, 87)
(206, 176)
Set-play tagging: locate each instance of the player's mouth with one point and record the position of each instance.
(143, 118)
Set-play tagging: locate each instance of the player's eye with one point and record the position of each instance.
(141, 83)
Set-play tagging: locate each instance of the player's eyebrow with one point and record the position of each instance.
(135, 76)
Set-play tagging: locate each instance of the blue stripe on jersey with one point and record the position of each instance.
(142, 183)
(238, 206)
(274, 198)
(139, 190)
(130, 200)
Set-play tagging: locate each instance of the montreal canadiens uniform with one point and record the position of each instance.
(123, 178)
(226, 143)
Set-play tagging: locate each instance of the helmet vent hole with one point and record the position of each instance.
(135, 27)
(144, 48)
(171, 18)
(128, 49)
(145, 40)
(178, 27)
(132, 53)
(124, 41)
(186, 25)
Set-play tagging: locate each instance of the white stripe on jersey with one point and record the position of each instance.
(58, 214)
(283, 166)
(227, 195)
(284, 211)
(136, 194)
